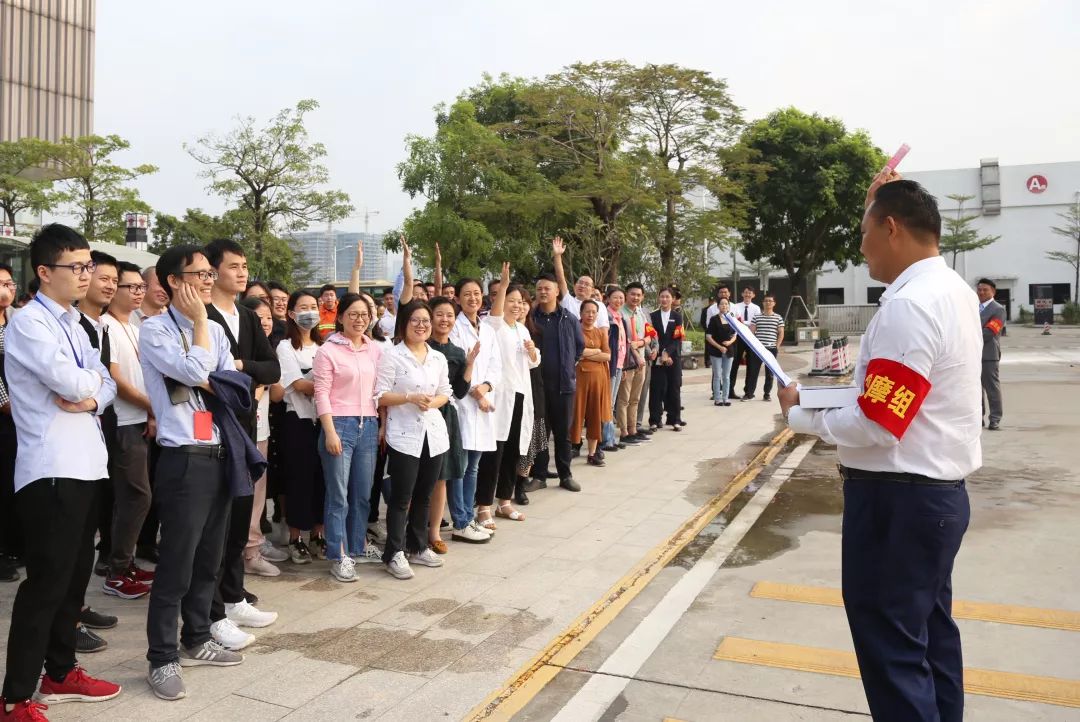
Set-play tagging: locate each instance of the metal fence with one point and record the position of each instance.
(840, 320)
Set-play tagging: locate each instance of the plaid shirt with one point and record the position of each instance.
(3, 389)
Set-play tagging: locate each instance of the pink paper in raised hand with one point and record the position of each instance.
(899, 156)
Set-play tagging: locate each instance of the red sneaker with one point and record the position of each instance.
(25, 711)
(141, 575)
(125, 586)
(77, 686)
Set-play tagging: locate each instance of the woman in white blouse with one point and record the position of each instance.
(302, 468)
(412, 385)
(513, 402)
(476, 411)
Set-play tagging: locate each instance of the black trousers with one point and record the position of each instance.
(192, 500)
(511, 453)
(10, 531)
(411, 481)
(59, 515)
(665, 393)
(487, 474)
(558, 411)
(899, 543)
(230, 588)
(304, 486)
(376, 486)
(753, 368)
(742, 350)
(149, 533)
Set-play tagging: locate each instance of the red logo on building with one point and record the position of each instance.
(1036, 184)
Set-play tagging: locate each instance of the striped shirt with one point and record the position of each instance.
(767, 328)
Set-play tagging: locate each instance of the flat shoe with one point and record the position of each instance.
(512, 515)
(438, 546)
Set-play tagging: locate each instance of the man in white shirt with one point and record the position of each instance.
(583, 289)
(746, 311)
(389, 319)
(58, 388)
(905, 449)
(155, 300)
(135, 428)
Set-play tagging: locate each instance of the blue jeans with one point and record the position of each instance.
(348, 483)
(721, 372)
(461, 493)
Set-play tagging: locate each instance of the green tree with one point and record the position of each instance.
(1070, 230)
(959, 237)
(803, 179)
(275, 177)
(96, 187)
(684, 118)
(25, 181)
(195, 228)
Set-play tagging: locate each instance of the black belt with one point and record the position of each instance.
(901, 476)
(214, 451)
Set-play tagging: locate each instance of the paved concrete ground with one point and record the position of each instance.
(1020, 550)
(435, 646)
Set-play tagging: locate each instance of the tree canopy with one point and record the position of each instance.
(959, 237)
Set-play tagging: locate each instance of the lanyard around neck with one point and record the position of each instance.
(78, 358)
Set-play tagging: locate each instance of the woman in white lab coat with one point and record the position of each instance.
(476, 412)
(513, 402)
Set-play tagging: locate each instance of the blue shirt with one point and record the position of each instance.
(162, 353)
(48, 355)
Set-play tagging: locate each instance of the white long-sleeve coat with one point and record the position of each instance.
(515, 374)
(478, 430)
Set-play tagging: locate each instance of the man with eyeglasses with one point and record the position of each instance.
(250, 348)
(178, 351)
(58, 388)
(135, 430)
(155, 300)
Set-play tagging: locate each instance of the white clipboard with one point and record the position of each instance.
(766, 356)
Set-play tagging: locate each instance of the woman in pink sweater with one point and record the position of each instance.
(345, 369)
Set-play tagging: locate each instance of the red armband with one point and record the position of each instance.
(892, 394)
(995, 325)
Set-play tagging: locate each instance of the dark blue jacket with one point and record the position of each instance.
(571, 347)
(232, 396)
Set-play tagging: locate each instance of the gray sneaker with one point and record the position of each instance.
(167, 682)
(209, 653)
(344, 569)
(399, 566)
(426, 558)
(371, 555)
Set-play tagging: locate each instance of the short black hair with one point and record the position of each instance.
(465, 282)
(125, 267)
(215, 250)
(493, 282)
(254, 303)
(104, 259)
(547, 277)
(327, 287)
(910, 205)
(6, 267)
(768, 294)
(172, 262)
(260, 284)
(635, 284)
(52, 241)
(275, 286)
(749, 287)
(588, 301)
(987, 282)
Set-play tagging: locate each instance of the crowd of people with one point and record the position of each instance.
(215, 426)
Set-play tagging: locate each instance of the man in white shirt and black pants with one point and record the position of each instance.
(905, 449)
(58, 388)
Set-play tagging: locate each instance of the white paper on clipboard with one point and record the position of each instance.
(748, 337)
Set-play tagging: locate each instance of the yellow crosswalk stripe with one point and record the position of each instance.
(962, 609)
(987, 682)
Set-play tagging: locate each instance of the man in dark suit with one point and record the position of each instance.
(666, 382)
(992, 318)
(252, 354)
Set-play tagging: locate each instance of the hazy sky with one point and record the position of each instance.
(958, 80)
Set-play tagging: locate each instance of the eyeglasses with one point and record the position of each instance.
(77, 269)
(419, 322)
(10, 285)
(358, 315)
(203, 275)
(134, 287)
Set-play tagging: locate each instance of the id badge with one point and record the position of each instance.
(203, 425)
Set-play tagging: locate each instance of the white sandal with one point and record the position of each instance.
(512, 515)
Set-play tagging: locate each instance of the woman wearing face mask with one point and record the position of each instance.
(345, 369)
(413, 385)
(304, 485)
(513, 403)
(476, 411)
(592, 401)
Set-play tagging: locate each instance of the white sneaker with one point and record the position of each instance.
(371, 555)
(230, 636)
(426, 558)
(271, 553)
(245, 614)
(260, 567)
(470, 534)
(399, 566)
(344, 569)
(377, 531)
(477, 528)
